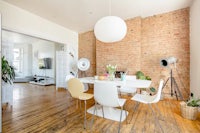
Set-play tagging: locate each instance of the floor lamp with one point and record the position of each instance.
(173, 84)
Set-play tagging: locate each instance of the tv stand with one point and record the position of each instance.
(42, 80)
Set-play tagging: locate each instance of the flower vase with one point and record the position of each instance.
(111, 76)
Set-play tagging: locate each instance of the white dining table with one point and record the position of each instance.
(114, 113)
(129, 83)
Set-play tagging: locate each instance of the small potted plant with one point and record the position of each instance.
(189, 109)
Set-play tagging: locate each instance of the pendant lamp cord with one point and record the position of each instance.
(109, 7)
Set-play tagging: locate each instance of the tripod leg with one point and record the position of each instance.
(174, 82)
(171, 85)
(177, 89)
(165, 83)
(172, 91)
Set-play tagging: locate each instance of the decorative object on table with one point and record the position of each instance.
(111, 71)
(118, 74)
(95, 77)
(110, 28)
(123, 75)
(189, 109)
(140, 75)
(101, 77)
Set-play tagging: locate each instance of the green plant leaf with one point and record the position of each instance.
(8, 73)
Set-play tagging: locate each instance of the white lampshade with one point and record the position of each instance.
(110, 29)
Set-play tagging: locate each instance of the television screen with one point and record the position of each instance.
(45, 63)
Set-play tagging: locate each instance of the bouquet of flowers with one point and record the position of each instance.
(111, 69)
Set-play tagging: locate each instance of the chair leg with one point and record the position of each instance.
(155, 117)
(134, 109)
(126, 116)
(102, 111)
(77, 103)
(158, 110)
(120, 120)
(119, 92)
(125, 113)
(80, 103)
(136, 106)
(85, 115)
(93, 114)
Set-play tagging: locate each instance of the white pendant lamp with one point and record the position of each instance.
(110, 28)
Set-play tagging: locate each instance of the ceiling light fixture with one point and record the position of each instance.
(110, 28)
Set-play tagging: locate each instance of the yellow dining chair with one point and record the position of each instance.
(76, 89)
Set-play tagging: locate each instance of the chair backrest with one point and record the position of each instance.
(68, 77)
(158, 95)
(130, 77)
(75, 87)
(106, 94)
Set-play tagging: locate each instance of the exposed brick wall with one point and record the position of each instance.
(87, 49)
(163, 36)
(147, 41)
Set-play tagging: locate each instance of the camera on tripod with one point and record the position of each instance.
(174, 86)
(167, 61)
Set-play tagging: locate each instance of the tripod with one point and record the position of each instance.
(174, 86)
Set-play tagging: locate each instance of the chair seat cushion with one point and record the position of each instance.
(143, 98)
(85, 96)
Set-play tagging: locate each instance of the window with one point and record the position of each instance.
(18, 59)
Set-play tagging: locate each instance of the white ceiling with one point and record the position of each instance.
(81, 15)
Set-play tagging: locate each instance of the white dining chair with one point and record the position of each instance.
(106, 94)
(147, 99)
(76, 89)
(127, 89)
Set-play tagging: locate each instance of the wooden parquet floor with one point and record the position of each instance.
(40, 109)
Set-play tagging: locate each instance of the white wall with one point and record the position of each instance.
(17, 19)
(195, 48)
